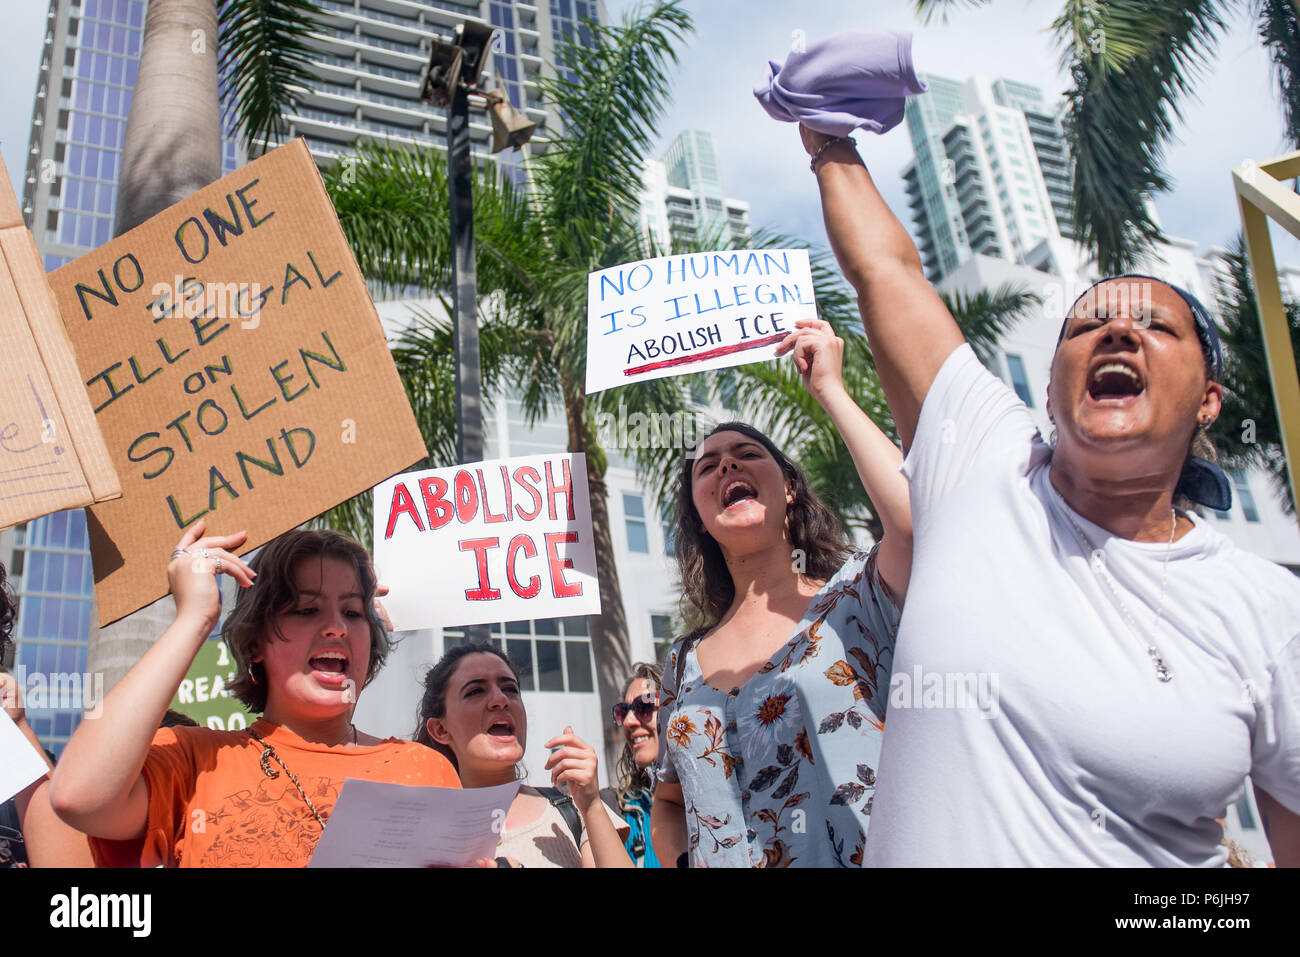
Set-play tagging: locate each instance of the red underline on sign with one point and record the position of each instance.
(707, 354)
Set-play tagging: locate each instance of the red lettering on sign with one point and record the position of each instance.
(559, 587)
(553, 490)
(488, 515)
(402, 503)
(436, 506)
(484, 591)
(534, 586)
(533, 490)
(466, 497)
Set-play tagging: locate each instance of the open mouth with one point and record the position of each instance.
(502, 728)
(640, 738)
(329, 662)
(738, 491)
(1115, 381)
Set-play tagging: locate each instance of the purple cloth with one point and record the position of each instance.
(836, 85)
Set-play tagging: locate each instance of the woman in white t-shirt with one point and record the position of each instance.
(1086, 673)
(472, 712)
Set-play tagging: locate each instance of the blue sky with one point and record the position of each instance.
(1236, 115)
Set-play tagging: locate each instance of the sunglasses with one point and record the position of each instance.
(642, 706)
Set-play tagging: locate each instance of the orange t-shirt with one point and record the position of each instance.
(211, 804)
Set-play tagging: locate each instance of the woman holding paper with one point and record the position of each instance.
(1146, 665)
(306, 638)
(771, 714)
(473, 712)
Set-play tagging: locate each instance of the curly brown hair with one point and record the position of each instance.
(811, 528)
(254, 618)
(8, 614)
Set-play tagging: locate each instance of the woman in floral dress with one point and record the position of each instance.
(772, 713)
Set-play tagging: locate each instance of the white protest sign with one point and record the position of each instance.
(506, 540)
(689, 313)
(20, 763)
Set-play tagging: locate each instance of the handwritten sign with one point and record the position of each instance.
(237, 369)
(204, 694)
(506, 540)
(689, 313)
(52, 455)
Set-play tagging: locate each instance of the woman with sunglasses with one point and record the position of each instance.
(633, 796)
(1145, 664)
(306, 638)
(771, 715)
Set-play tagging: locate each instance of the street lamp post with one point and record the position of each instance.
(454, 72)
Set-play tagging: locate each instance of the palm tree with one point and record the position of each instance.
(172, 147)
(1247, 432)
(1132, 62)
(534, 253)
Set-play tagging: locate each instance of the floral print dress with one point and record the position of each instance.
(781, 770)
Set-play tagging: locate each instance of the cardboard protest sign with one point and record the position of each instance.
(506, 540)
(203, 693)
(237, 369)
(52, 455)
(689, 313)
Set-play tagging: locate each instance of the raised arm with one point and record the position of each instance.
(818, 354)
(909, 328)
(97, 786)
(573, 762)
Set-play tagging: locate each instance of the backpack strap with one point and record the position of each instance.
(568, 810)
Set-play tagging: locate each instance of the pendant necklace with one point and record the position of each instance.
(1097, 562)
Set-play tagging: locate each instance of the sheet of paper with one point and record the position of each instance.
(20, 764)
(397, 825)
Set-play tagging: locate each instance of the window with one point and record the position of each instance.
(1019, 379)
(661, 627)
(634, 517)
(1244, 496)
(551, 654)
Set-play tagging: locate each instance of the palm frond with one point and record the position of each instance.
(928, 10)
(392, 202)
(986, 316)
(609, 93)
(1131, 61)
(1279, 28)
(1247, 432)
(262, 64)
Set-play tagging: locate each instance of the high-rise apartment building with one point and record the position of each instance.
(990, 174)
(368, 57)
(683, 197)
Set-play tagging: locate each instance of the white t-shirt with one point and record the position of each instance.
(1026, 723)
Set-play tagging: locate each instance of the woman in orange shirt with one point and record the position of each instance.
(306, 639)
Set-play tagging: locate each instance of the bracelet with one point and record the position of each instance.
(825, 146)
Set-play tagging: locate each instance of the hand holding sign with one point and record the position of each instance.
(818, 354)
(192, 573)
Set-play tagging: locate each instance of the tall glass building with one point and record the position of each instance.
(368, 57)
(990, 174)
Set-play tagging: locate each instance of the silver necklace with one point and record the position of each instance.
(1097, 561)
